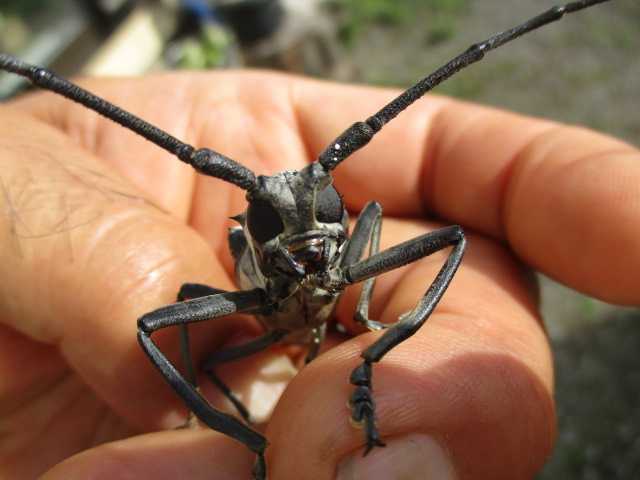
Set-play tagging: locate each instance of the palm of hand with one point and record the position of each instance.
(115, 210)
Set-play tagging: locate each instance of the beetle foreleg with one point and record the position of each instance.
(362, 404)
(197, 310)
(189, 291)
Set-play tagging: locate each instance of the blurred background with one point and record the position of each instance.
(585, 70)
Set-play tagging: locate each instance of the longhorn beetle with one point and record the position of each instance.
(292, 251)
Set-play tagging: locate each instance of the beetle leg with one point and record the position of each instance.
(235, 353)
(362, 404)
(367, 229)
(370, 214)
(197, 290)
(189, 291)
(197, 310)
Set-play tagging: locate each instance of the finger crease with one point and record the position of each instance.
(509, 182)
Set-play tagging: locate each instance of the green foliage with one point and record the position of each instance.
(210, 50)
(14, 22)
(21, 8)
(356, 15)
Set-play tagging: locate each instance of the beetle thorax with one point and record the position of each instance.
(295, 225)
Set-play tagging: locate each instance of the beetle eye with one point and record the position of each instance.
(263, 220)
(329, 206)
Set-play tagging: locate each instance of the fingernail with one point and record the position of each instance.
(414, 457)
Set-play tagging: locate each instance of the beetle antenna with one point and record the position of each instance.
(360, 133)
(208, 162)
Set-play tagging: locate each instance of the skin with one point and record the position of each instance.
(102, 227)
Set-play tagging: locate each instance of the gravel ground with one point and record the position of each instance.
(583, 70)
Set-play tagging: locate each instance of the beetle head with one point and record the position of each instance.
(296, 222)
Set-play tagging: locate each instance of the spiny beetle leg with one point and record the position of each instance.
(198, 310)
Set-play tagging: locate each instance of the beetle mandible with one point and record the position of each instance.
(292, 250)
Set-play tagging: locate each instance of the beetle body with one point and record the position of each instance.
(294, 229)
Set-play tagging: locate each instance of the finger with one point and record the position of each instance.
(167, 455)
(259, 380)
(566, 199)
(477, 166)
(233, 117)
(157, 173)
(469, 393)
(88, 255)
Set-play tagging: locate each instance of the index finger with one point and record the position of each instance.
(566, 199)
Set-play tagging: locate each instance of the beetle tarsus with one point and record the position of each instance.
(363, 407)
(260, 468)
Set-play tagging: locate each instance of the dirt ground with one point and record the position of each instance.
(585, 70)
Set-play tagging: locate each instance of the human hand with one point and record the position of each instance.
(102, 227)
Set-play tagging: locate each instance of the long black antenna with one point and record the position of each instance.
(360, 133)
(205, 161)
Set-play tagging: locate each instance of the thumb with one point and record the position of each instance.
(469, 396)
(192, 454)
(88, 254)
